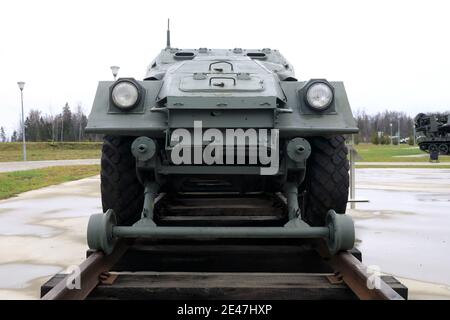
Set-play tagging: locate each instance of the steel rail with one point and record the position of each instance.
(90, 271)
(352, 272)
(347, 268)
(365, 285)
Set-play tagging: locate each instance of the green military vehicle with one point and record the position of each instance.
(222, 120)
(434, 133)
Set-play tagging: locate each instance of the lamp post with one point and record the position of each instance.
(115, 71)
(390, 124)
(21, 85)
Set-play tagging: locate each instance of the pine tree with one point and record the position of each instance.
(14, 136)
(66, 124)
(2, 135)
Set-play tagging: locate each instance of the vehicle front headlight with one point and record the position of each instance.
(125, 94)
(319, 96)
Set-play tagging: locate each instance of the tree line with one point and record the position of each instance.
(382, 127)
(377, 128)
(65, 126)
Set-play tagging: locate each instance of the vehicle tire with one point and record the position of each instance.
(423, 147)
(327, 180)
(443, 149)
(433, 147)
(120, 187)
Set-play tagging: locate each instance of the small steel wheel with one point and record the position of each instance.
(443, 148)
(433, 147)
(99, 231)
(342, 232)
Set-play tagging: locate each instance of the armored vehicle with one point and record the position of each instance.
(222, 120)
(434, 133)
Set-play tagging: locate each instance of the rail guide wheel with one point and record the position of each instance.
(100, 231)
(342, 232)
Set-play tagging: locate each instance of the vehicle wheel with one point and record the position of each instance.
(443, 149)
(120, 187)
(423, 147)
(433, 147)
(327, 180)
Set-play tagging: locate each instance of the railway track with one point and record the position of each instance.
(275, 269)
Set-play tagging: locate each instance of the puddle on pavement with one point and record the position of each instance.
(433, 197)
(19, 276)
(405, 233)
(21, 216)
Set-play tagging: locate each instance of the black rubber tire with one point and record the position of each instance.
(120, 187)
(327, 180)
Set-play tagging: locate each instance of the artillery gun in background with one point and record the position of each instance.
(434, 133)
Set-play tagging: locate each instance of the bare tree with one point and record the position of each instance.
(370, 125)
(65, 126)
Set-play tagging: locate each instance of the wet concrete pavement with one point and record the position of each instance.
(43, 232)
(405, 230)
(28, 165)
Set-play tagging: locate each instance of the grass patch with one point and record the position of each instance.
(12, 151)
(387, 153)
(13, 183)
(417, 166)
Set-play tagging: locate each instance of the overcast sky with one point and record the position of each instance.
(390, 54)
